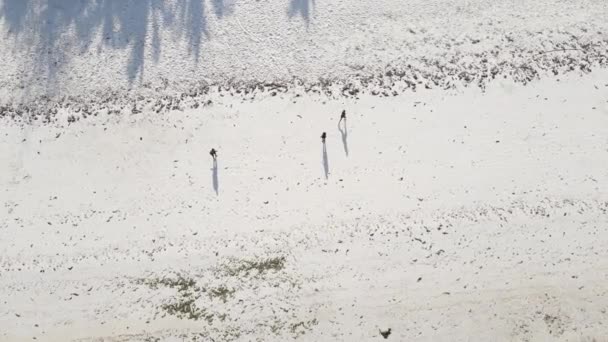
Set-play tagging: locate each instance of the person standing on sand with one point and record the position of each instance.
(323, 136)
(343, 116)
(213, 153)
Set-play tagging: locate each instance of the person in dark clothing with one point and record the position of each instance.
(213, 153)
(342, 116)
(343, 131)
(325, 161)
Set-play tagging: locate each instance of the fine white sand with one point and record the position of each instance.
(477, 216)
(464, 214)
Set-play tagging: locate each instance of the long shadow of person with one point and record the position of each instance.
(216, 183)
(344, 133)
(325, 161)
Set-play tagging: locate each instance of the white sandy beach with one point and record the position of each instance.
(462, 214)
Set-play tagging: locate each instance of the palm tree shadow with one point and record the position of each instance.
(300, 7)
(325, 161)
(220, 8)
(214, 177)
(344, 133)
(92, 26)
(14, 13)
(196, 26)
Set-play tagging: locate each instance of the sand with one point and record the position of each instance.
(472, 213)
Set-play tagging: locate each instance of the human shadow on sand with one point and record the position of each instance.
(216, 183)
(325, 161)
(344, 133)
